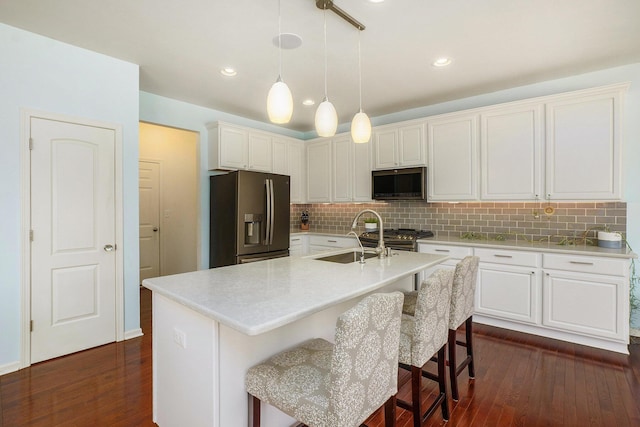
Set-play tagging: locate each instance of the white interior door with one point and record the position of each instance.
(73, 264)
(149, 187)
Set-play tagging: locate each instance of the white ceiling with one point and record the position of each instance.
(495, 44)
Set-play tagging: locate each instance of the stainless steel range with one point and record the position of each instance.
(401, 239)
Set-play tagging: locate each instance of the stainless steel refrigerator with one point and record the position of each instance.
(249, 218)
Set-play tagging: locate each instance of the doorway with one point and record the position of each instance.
(72, 287)
(168, 186)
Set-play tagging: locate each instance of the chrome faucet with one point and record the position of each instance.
(380, 249)
(360, 243)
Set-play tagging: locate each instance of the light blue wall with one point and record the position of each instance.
(178, 114)
(45, 75)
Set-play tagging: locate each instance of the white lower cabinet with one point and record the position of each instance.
(322, 243)
(574, 298)
(298, 245)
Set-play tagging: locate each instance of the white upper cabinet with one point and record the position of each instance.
(351, 170)
(342, 167)
(228, 147)
(319, 171)
(399, 146)
(260, 152)
(452, 143)
(296, 154)
(511, 153)
(280, 154)
(234, 147)
(583, 145)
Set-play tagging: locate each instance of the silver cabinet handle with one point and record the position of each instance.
(581, 262)
(502, 256)
(442, 250)
(332, 241)
(295, 240)
(155, 228)
(108, 248)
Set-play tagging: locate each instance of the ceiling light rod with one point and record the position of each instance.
(328, 4)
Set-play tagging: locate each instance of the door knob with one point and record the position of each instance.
(155, 228)
(108, 248)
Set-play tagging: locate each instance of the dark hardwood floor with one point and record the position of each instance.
(521, 380)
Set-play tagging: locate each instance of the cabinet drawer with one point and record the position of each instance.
(295, 241)
(456, 252)
(586, 264)
(525, 259)
(334, 242)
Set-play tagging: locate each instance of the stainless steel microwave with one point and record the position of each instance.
(399, 184)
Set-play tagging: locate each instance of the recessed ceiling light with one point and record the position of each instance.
(376, 1)
(308, 102)
(228, 71)
(442, 62)
(289, 41)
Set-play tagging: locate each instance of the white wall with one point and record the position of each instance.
(174, 113)
(42, 74)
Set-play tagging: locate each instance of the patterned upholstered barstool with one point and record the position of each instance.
(462, 306)
(424, 334)
(337, 385)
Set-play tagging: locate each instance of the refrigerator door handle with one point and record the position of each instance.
(268, 211)
(272, 209)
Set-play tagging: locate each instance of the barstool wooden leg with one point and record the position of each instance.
(416, 394)
(453, 366)
(256, 412)
(469, 336)
(390, 412)
(442, 382)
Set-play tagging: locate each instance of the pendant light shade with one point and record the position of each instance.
(360, 128)
(279, 102)
(326, 119)
(279, 99)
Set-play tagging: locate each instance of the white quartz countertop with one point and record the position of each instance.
(258, 297)
(523, 245)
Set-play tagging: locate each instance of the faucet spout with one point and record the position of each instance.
(381, 250)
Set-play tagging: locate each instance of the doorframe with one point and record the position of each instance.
(25, 192)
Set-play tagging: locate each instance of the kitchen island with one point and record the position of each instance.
(210, 326)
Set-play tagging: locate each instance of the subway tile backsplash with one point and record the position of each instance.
(504, 220)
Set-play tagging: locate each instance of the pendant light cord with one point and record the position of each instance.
(325, 55)
(360, 68)
(279, 42)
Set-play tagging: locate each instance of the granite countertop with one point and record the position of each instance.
(258, 297)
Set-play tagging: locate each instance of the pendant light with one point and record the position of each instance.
(279, 99)
(360, 125)
(326, 116)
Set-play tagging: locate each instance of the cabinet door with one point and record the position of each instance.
(453, 158)
(508, 293)
(280, 156)
(411, 145)
(319, 171)
(510, 148)
(361, 172)
(296, 171)
(385, 143)
(586, 303)
(342, 168)
(583, 157)
(259, 152)
(233, 146)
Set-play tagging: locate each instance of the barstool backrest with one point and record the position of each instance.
(430, 320)
(463, 291)
(364, 368)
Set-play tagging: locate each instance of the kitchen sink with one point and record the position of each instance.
(347, 257)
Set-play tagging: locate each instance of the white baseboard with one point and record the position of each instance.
(9, 367)
(634, 332)
(134, 333)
